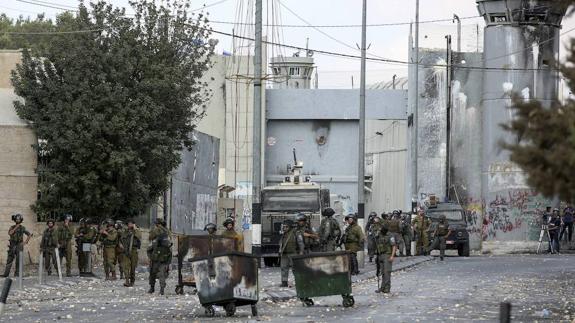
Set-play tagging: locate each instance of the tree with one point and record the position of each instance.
(114, 105)
(545, 146)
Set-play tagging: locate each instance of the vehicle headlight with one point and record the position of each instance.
(460, 234)
(266, 239)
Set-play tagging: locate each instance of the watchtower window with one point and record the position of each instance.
(499, 17)
(294, 71)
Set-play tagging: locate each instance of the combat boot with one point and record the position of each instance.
(162, 289)
(284, 284)
(151, 290)
(107, 275)
(370, 259)
(113, 276)
(121, 274)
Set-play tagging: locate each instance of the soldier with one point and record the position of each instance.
(329, 231)
(440, 235)
(109, 238)
(393, 226)
(420, 225)
(160, 254)
(130, 242)
(64, 235)
(407, 233)
(230, 232)
(353, 240)
(370, 235)
(16, 243)
(212, 229)
(48, 245)
(385, 250)
(119, 226)
(84, 236)
(292, 243)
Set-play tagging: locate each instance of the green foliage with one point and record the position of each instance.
(545, 148)
(113, 107)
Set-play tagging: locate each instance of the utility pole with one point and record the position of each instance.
(257, 135)
(456, 18)
(361, 161)
(415, 140)
(449, 59)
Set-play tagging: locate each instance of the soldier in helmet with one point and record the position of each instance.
(393, 226)
(64, 234)
(48, 245)
(354, 240)
(292, 243)
(212, 229)
(84, 237)
(130, 242)
(371, 221)
(109, 238)
(230, 232)
(16, 244)
(421, 225)
(160, 254)
(406, 232)
(440, 235)
(385, 250)
(329, 231)
(120, 227)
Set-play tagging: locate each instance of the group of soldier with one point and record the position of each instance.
(120, 244)
(387, 236)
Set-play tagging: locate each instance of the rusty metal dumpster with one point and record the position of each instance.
(228, 280)
(190, 247)
(323, 274)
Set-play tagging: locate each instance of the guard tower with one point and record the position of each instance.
(292, 72)
(521, 46)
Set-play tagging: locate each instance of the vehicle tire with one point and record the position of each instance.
(465, 252)
(230, 309)
(254, 310)
(179, 290)
(307, 302)
(460, 250)
(210, 312)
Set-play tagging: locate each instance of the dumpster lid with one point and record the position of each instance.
(223, 254)
(322, 254)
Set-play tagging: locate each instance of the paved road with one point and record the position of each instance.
(459, 289)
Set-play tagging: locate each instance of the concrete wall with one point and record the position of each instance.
(18, 180)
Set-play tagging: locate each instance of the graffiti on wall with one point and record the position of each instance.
(514, 215)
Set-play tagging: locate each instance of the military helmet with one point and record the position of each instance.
(67, 217)
(351, 216)
(210, 226)
(83, 221)
(18, 218)
(395, 212)
(109, 222)
(288, 222)
(300, 217)
(372, 214)
(50, 221)
(229, 221)
(328, 212)
(442, 217)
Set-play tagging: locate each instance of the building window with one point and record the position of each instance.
(294, 71)
(500, 17)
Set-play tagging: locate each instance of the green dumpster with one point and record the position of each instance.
(229, 280)
(323, 274)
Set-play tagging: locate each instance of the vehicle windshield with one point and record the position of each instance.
(454, 215)
(290, 200)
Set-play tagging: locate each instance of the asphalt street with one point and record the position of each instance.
(540, 288)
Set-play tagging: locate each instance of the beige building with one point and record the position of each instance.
(18, 179)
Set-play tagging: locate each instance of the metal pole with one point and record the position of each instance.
(257, 131)
(505, 312)
(20, 267)
(361, 156)
(448, 117)
(393, 81)
(414, 187)
(40, 268)
(456, 17)
(4, 295)
(58, 263)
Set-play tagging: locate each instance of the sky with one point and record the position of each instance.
(334, 72)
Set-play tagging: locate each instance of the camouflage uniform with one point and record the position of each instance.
(47, 247)
(385, 247)
(354, 240)
(160, 254)
(84, 234)
(130, 242)
(292, 243)
(393, 226)
(407, 234)
(238, 237)
(16, 244)
(329, 233)
(64, 235)
(440, 237)
(420, 226)
(109, 238)
(119, 257)
(373, 227)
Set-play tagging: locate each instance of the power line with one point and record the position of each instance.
(46, 5)
(52, 32)
(346, 26)
(210, 5)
